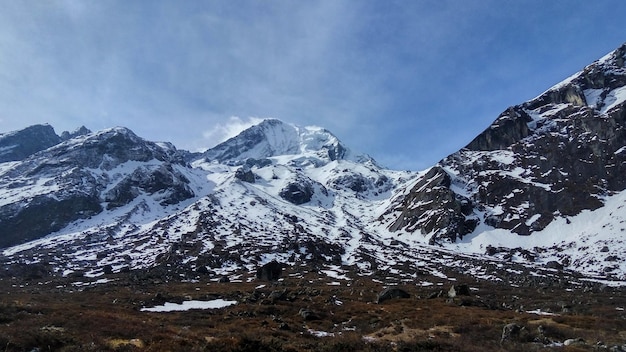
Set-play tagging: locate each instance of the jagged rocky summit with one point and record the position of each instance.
(18, 145)
(540, 188)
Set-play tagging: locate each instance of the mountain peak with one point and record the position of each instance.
(273, 137)
(599, 85)
(81, 131)
(18, 145)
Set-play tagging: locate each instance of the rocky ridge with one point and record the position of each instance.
(552, 157)
(514, 205)
(77, 179)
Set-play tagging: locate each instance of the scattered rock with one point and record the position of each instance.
(459, 290)
(270, 271)
(307, 314)
(511, 330)
(435, 294)
(391, 293)
(574, 342)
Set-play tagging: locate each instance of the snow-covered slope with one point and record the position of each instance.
(545, 163)
(537, 194)
(83, 177)
(274, 138)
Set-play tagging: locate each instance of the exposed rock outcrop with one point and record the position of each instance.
(245, 175)
(19, 145)
(270, 271)
(433, 208)
(551, 157)
(297, 192)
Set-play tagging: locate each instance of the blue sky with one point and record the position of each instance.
(407, 82)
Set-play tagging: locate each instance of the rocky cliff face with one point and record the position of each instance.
(432, 207)
(81, 177)
(19, 145)
(551, 157)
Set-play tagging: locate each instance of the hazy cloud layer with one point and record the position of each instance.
(405, 81)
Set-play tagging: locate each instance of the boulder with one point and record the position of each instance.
(307, 314)
(391, 293)
(458, 290)
(553, 264)
(574, 342)
(270, 271)
(510, 331)
(245, 175)
(297, 193)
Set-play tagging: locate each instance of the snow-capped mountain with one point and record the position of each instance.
(81, 177)
(540, 167)
(540, 190)
(148, 208)
(272, 137)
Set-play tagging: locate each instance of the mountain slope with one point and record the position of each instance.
(537, 194)
(80, 178)
(543, 161)
(550, 157)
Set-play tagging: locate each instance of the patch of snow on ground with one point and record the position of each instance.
(318, 333)
(187, 305)
(539, 312)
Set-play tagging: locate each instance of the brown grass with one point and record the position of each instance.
(56, 316)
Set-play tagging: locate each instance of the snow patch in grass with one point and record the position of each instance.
(187, 305)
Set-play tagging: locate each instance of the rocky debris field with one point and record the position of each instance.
(303, 308)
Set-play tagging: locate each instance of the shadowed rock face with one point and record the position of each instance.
(299, 192)
(553, 156)
(43, 216)
(510, 127)
(431, 206)
(21, 144)
(270, 271)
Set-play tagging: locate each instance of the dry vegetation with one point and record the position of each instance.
(55, 315)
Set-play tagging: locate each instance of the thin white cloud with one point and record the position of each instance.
(221, 132)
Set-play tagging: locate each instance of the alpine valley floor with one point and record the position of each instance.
(308, 309)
